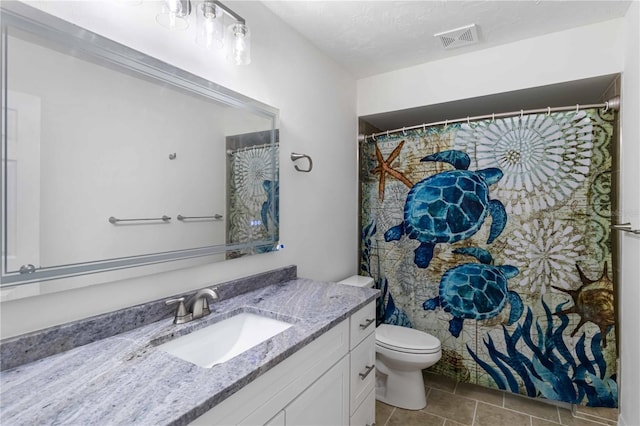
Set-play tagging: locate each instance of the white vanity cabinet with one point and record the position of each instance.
(326, 402)
(362, 369)
(318, 385)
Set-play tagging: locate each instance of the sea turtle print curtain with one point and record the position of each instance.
(494, 236)
(252, 199)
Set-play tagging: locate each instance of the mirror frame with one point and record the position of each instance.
(27, 18)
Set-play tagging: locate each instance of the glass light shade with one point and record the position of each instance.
(209, 25)
(174, 14)
(240, 44)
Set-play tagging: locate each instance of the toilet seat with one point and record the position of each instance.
(407, 340)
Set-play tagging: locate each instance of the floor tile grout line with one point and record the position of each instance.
(475, 411)
(390, 415)
(592, 421)
(519, 412)
(593, 418)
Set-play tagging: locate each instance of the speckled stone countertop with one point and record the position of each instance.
(126, 379)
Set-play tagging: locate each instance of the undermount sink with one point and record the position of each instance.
(223, 340)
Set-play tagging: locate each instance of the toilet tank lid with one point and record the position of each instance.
(358, 281)
(404, 337)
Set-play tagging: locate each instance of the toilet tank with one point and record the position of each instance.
(358, 281)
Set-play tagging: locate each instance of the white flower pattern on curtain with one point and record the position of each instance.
(544, 158)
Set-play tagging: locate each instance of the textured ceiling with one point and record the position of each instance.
(373, 37)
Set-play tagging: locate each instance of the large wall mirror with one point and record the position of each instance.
(112, 159)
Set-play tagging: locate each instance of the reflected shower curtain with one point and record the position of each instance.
(494, 237)
(250, 212)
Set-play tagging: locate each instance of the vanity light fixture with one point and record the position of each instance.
(210, 26)
(174, 14)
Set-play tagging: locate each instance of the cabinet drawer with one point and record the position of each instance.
(365, 415)
(363, 322)
(362, 371)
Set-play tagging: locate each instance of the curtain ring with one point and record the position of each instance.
(403, 132)
(521, 114)
(548, 111)
(493, 117)
(606, 106)
(387, 133)
(577, 108)
(424, 127)
(373, 136)
(468, 121)
(446, 123)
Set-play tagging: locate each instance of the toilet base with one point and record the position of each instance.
(402, 389)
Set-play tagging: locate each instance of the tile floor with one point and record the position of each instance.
(450, 403)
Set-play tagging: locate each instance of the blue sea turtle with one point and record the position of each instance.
(271, 207)
(449, 206)
(476, 290)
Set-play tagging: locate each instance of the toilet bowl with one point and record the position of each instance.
(401, 355)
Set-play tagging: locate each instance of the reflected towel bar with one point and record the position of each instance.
(625, 227)
(115, 220)
(215, 217)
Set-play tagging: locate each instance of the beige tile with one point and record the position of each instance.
(452, 423)
(402, 417)
(601, 412)
(490, 415)
(437, 381)
(450, 406)
(566, 418)
(539, 422)
(481, 393)
(383, 412)
(531, 406)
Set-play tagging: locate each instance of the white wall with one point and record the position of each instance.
(600, 49)
(318, 210)
(575, 54)
(630, 212)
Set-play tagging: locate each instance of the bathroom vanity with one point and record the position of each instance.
(329, 382)
(319, 370)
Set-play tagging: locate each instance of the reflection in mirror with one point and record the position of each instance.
(112, 159)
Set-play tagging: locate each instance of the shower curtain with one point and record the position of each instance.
(252, 200)
(494, 236)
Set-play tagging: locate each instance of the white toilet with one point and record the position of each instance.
(401, 355)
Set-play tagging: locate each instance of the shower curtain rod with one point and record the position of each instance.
(613, 103)
(249, 147)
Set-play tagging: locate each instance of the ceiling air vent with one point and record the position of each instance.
(459, 37)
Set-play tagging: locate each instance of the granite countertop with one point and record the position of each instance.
(126, 379)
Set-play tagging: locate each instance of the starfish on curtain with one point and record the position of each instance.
(384, 167)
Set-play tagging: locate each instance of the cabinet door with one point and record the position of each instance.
(363, 363)
(365, 415)
(324, 403)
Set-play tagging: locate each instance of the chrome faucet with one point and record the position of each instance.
(196, 307)
(198, 304)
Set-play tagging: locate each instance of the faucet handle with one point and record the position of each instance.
(182, 315)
